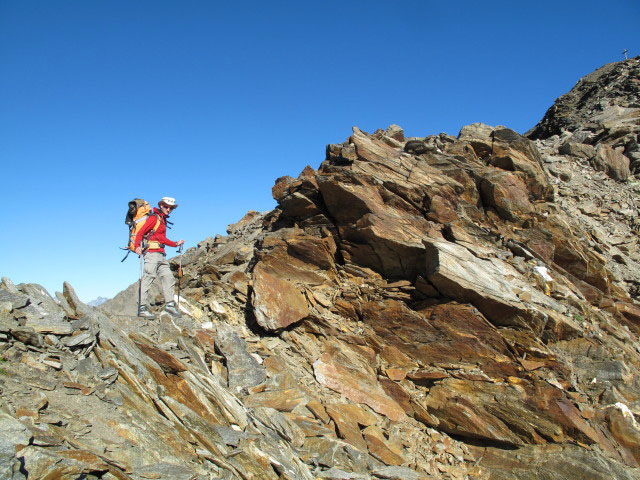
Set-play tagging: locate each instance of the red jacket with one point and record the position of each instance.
(160, 235)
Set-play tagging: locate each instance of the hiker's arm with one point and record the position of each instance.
(164, 240)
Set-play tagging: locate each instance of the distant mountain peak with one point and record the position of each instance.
(97, 301)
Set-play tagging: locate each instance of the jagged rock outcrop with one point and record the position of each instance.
(441, 307)
(601, 110)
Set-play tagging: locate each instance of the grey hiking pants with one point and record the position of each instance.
(156, 266)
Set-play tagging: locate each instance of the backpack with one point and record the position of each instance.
(137, 214)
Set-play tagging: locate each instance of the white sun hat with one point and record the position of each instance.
(169, 202)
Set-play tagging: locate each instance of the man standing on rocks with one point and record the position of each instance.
(151, 240)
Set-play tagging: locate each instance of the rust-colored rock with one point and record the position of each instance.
(344, 370)
(625, 429)
(450, 334)
(282, 400)
(318, 410)
(381, 448)
(167, 362)
(613, 163)
(395, 391)
(396, 373)
(630, 311)
(277, 303)
(346, 426)
(508, 194)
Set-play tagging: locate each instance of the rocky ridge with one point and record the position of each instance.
(440, 307)
(601, 110)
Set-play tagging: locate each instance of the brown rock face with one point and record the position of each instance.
(508, 151)
(572, 255)
(613, 163)
(485, 283)
(375, 234)
(515, 153)
(506, 193)
(346, 371)
(449, 334)
(381, 448)
(277, 302)
(165, 360)
(625, 429)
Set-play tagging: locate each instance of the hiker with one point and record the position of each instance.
(155, 261)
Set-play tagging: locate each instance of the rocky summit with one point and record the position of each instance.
(416, 308)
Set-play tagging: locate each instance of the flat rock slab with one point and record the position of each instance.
(515, 413)
(459, 275)
(337, 454)
(48, 325)
(16, 299)
(80, 340)
(553, 462)
(447, 334)
(281, 400)
(40, 297)
(230, 436)
(41, 463)
(167, 362)
(347, 427)
(507, 193)
(244, 370)
(345, 371)
(286, 428)
(27, 335)
(167, 470)
(336, 474)
(14, 434)
(612, 162)
(398, 473)
(277, 303)
(381, 448)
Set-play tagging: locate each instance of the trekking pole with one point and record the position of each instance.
(179, 271)
(140, 285)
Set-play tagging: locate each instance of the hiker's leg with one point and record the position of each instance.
(150, 272)
(168, 282)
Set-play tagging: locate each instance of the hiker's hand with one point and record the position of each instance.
(139, 250)
(180, 242)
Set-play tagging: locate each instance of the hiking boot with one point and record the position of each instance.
(144, 313)
(171, 309)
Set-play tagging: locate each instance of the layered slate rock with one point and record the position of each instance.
(597, 99)
(426, 307)
(612, 162)
(508, 151)
(243, 370)
(602, 111)
(15, 437)
(349, 373)
(485, 283)
(506, 193)
(453, 334)
(277, 302)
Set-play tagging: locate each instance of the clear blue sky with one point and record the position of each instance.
(210, 102)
